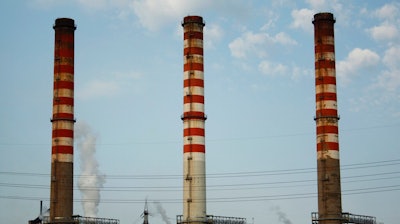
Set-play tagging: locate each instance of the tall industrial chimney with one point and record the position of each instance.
(194, 183)
(326, 117)
(61, 194)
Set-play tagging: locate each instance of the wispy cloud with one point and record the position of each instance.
(250, 43)
(112, 86)
(302, 19)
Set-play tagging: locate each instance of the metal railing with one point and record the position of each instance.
(347, 218)
(212, 219)
(79, 220)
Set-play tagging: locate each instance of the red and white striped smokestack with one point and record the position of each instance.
(61, 193)
(326, 117)
(194, 183)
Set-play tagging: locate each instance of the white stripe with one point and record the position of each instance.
(61, 124)
(324, 122)
(64, 141)
(326, 104)
(193, 74)
(64, 92)
(329, 40)
(325, 56)
(63, 108)
(325, 72)
(193, 27)
(194, 58)
(327, 137)
(193, 90)
(198, 140)
(196, 156)
(61, 157)
(325, 88)
(64, 76)
(333, 154)
(199, 107)
(194, 43)
(193, 124)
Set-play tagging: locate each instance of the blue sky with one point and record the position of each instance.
(259, 100)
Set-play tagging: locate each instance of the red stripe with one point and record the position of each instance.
(193, 19)
(193, 99)
(64, 36)
(193, 35)
(325, 129)
(327, 146)
(64, 52)
(194, 148)
(193, 115)
(193, 82)
(325, 96)
(67, 116)
(63, 85)
(326, 112)
(193, 50)
(325, 80)
(62, 149)
(319, 48)
(193, 131)
(324, 30)
(193, 66)
(324, 64)
(63, 133)
(64, 69)
(63, 100)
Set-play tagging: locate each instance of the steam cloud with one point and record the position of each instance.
(281, 215)
(162, 212)
(91, 180)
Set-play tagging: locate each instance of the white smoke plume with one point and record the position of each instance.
(282, 218)
(91, 180)
(162, 212)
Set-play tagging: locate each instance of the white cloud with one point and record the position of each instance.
(153, 14)
(298, 73)
(384, 32)
(302, 19)
(388, 30)
(388, 11)
(272, 69)
(118, 83)
(391, 58)
(257, 43)
(212, 35)
(247, 43)
(356, 60)
(284, 39)
(98, 88)
(317, 4)
(390, 78)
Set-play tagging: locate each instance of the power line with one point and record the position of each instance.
(209, 139)
(225, 175)
(221, 187)
(255, 198)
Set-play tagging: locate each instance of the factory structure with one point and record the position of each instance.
(63, 119)
(327, 118)
(194, 117)
(62, 148)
